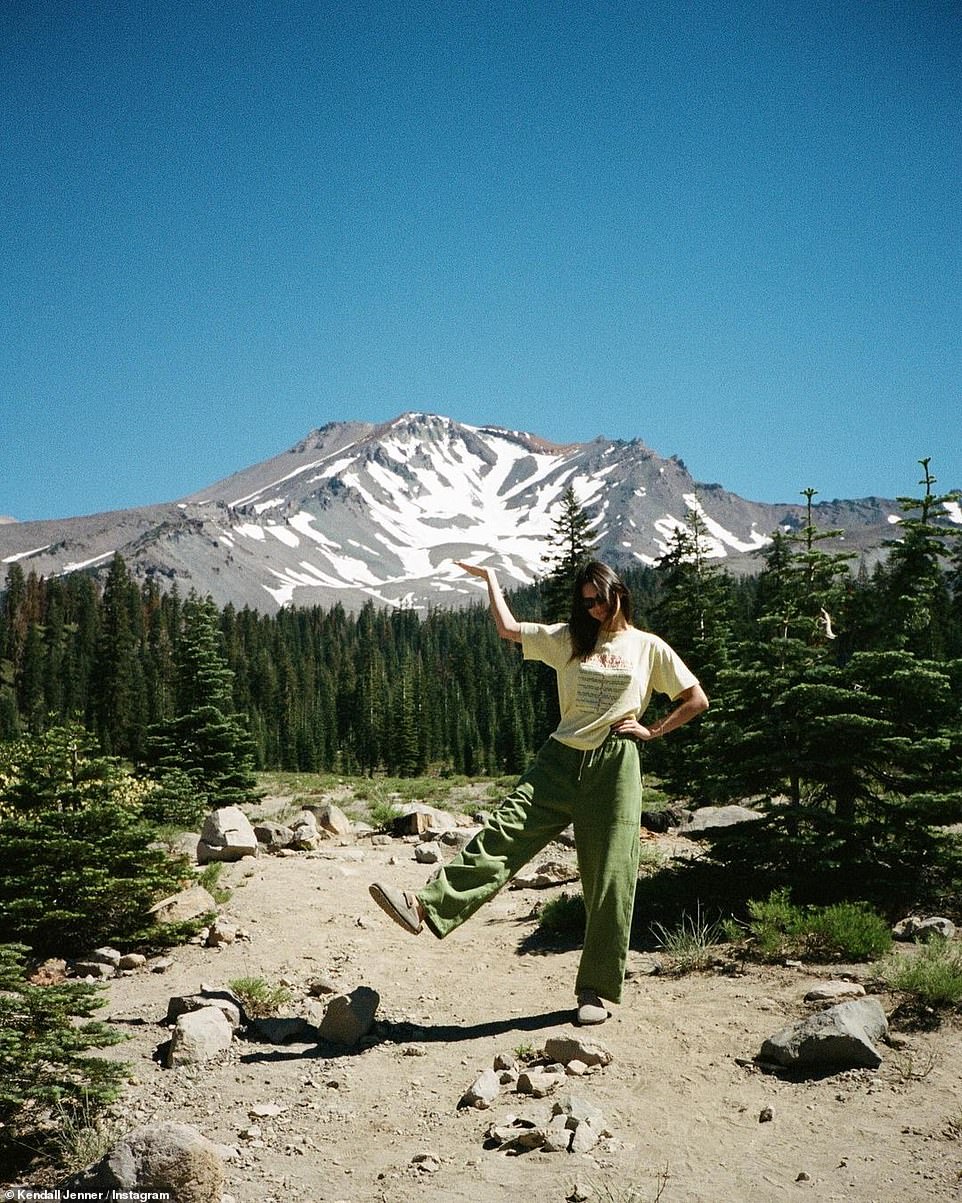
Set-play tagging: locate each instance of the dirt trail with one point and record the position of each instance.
(674, 1097)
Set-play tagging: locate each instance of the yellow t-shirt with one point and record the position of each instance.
(615, 681)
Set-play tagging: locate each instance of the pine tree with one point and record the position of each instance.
(204, 739)
(570, 545)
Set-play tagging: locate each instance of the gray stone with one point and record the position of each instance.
(305, 831)
(189, 904)
(106, 956)
(506, 1061)
(226, 835)
(577, 1048)
(199, 1036)
(95, 969)
(539, 1083)
(330, 818)
(835, 992)
(707, 819)
(916, 928)
(184, 1004)
(427, 854)
(221, 931)
(273, 836)
(483, 1090)
(132, 960)
(550, 873)
(350, 1017)
(843, 1037)
(163, 1160)
(416, 818)
(557, 1135)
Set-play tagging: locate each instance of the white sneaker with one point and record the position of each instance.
(591, 1009)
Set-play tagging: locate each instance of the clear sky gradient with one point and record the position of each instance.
(731, 229)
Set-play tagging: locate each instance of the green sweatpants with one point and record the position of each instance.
(600, 793)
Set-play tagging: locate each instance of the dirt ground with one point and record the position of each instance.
(683, 1112)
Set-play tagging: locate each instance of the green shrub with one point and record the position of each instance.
(45, 1060)
(177, 801)
(932, 977)
(846, 930)
(260, 997)
(563, 916)
(692, 944)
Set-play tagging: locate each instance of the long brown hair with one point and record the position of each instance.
(583, 628)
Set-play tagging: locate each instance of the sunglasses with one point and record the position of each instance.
(589, 603)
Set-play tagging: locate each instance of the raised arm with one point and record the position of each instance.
(508, 626)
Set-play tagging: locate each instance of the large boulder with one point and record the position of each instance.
(167, 1160)
(199, 1036)
(227, 835)
(843, 1037)
(191, 903)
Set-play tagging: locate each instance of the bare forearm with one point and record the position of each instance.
(692, 703)
(508, 626)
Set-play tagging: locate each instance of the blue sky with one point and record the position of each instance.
(731, 229)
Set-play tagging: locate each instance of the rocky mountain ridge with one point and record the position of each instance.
(360, 511)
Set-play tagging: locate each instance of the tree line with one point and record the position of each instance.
(319, 689)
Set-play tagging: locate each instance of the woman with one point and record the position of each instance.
(588, 773)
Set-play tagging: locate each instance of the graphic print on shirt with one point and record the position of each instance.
(602, 679)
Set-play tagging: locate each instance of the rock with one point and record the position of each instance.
(166, 1160)
(577, 1048)
(199, 1036)
(557, 1135)
(105, 956)
(766, 1115)
(189, 904)
(95, 969)
(226, 835)
(52, 972)
(550, 873)
(506, 1061)
(221, 931)
(662, 820)
(321, 986)
(707, 819)
(539, 1082)
(265, 1110)
(586, 1122)
(416, 818)
(835, 992)
(427, 854)
(517, 1132)
(331, 818)
(916, 928)
(350, 1017)
(305, 832)
(132, 960)
(225, 1000)
(576, 1068)
(843, 1037)
(458, 837)
(426, 1163)
(160, 964)
(273, 836)
(483, 1090)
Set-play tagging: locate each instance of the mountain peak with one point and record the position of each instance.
(358, 511)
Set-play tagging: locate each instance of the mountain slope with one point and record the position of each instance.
(357, 511)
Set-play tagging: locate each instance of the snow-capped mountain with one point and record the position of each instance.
(358, 511)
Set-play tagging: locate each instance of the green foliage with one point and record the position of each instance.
(693, 943)
(209, 877)
(76, 863)
(931, 975)
(563, 916)
(260, 997)
(847, 931)
(177, 801)
(46, 1038)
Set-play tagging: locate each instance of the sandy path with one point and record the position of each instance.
(674, 1096)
